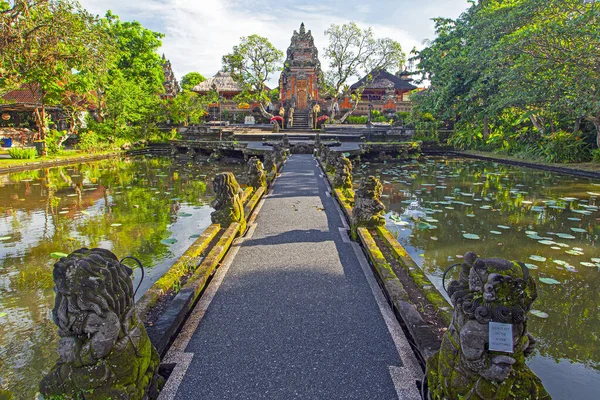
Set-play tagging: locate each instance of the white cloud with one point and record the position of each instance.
(199, 33)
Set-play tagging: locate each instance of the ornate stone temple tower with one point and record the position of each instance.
(299, 81)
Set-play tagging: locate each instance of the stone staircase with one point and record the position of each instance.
(301, 120)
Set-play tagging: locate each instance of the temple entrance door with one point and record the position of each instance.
(302, 95)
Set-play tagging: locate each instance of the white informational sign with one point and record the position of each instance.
(501, 338)
(249, 120)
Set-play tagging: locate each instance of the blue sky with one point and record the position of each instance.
(199, 32)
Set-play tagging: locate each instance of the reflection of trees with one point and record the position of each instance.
(570, 331)
(102, 193)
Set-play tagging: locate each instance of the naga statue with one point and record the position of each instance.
(331, 161)
(269, 164)
(256, 173)
(368, 208)
(290, 117)
(228, 205)
(489, 293)
(104, 350)
(325, 154)
(343, 174)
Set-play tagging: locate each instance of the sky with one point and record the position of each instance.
(199, 32)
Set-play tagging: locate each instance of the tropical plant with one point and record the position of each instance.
(26, 153)
(191, 79)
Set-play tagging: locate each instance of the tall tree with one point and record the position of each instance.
(353, 53)
(191, 79)
(36, 54)
(251, 64)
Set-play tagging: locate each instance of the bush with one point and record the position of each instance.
(564, 147)
(53, 141)
(357, 120)
(91, 142)
(27, 153)
(596, 156)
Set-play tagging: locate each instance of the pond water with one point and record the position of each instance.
(442, 208)
(150, 208)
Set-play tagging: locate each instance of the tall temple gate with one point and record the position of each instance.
(299, 81)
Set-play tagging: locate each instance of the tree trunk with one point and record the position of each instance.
(351, 111)
(486, 128)
(597, 125)
(536, 123)
(264, 112)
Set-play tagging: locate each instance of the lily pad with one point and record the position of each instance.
(547, 242)
(574, 252)
(596, 260)
(539, 314)
(531, 266)
(496, 232)
(116, 225)
(471, 236)
(565, 236)
(574, 219)
(59, 255)
(3, 238)
(184, 214)
(194, 236)
(537, 258)
(503, 227)
(168, 241)
(579, 230)
(587, 264)
(549, 281)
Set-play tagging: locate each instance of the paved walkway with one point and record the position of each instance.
(294, 312)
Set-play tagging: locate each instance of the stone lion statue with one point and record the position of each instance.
(488, 291)
(343, 174)
(104, 350)
(228, 205)
(256, 173)
(368, 208)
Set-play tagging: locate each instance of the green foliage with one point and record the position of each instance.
(191, 79)
(251, 64)
(596, 156)
(27, 153)
(54, 140)
(357, 119)
(91, 142)
(516, 70)
(564, 147)
(186, 108)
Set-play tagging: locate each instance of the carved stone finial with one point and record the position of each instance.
(228, 206)
(302, 29)
(343, 174)
(491, 290)
(256, 173)
(368, 208)
(285, 140)
(104, 349)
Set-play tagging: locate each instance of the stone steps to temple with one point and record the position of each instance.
(301, 120)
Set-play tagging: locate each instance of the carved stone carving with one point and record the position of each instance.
(255, 171)
(331, 161)
(104, 350)
(343, 174)
(280, 154)
(368, 208)
(285, 141)
(269, 164)
(488, 290)
(228, 206)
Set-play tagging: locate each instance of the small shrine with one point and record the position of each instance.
(299, 81)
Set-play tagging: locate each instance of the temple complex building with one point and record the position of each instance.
(386, 92)
(299, 81)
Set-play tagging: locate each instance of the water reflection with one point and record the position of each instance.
(442, 208)
(150, 208)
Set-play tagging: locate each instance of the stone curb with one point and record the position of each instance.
(163, 331)
(424, 285)
(167, 325)
(55, 163)
(188, 261)
(423, 338)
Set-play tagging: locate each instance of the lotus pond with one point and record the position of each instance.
(442, 208)
(150, 208)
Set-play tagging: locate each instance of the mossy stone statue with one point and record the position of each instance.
(488, 291)
(228, 205)
(368, 208)
(255, 171)
(343, 174)
(104, 350)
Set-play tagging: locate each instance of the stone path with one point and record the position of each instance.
(294, 312)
